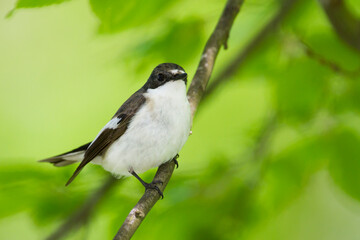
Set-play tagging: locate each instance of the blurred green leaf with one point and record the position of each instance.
(37, 3)
(33, 4)
(300, 89)
(172, 44)
(344, 164)
(287, 174)
(38, 190)
(345, 92)
(117, 15)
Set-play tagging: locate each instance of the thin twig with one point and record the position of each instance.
(83, 214)
(344, 22)
(328, 63)
(253, 44)
(196, 91)
(264, 136)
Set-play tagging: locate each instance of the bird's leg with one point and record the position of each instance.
(175, 160)
(151, 185)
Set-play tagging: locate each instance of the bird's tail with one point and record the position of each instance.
(68, 158)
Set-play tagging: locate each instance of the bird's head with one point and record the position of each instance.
(166, 72)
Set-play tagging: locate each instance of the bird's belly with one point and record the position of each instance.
(154, 136)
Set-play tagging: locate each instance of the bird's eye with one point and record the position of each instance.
(161, 77)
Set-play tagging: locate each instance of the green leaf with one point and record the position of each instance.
(33, 4)
(39, 190)
(171, 44)
(300, 88)
(289, 172)
(345, 94)
(344, 164)
(117, 15)
(37, 3)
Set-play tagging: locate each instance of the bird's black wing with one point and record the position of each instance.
(107, 136)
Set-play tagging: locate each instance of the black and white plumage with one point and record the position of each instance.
(148, 130)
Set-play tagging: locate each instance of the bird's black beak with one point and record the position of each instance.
(180, 76)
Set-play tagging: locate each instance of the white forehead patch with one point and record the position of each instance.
(176, 71)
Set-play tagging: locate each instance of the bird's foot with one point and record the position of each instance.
(175, 160)
(153, 186)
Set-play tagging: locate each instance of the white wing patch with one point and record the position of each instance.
(112, 124)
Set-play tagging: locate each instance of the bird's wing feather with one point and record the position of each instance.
(62, 159)
(112, 131)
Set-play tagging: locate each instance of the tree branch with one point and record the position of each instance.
(218, 38)
(243, 54)
(195, 93)
(345, 24)
(87, 208)
(81, 216)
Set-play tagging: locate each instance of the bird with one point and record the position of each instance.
(149, 129)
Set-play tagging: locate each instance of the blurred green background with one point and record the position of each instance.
(275, 152)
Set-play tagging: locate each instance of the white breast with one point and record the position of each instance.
(155, 135)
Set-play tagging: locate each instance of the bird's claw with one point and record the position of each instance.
(153, 186)
(175, 160)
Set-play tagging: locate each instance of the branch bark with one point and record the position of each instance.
(196, 91)
(345, 24)
(218, 38)
(243, 54)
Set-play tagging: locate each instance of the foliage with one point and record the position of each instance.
(66, 68)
